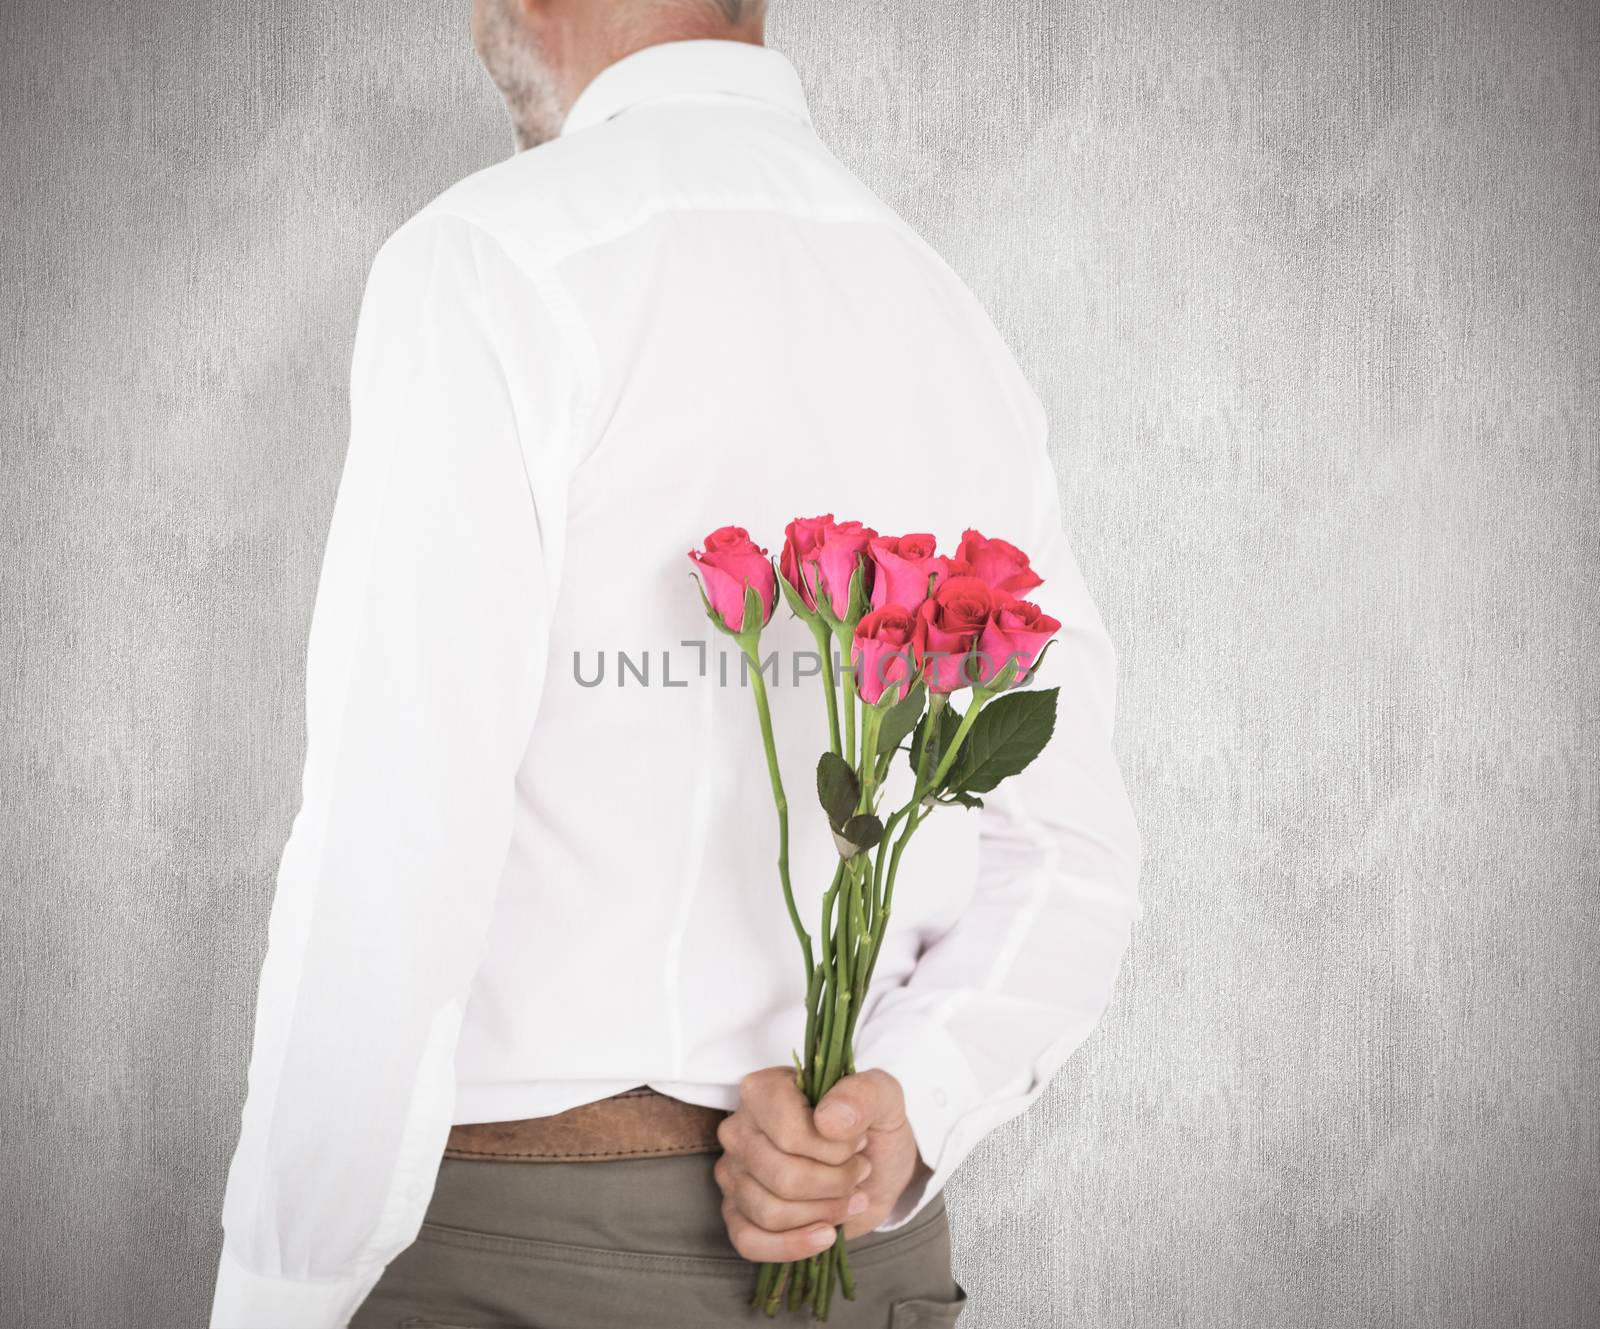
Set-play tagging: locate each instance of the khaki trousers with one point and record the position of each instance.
(632, 1243)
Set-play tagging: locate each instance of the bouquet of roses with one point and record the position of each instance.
(902, 630)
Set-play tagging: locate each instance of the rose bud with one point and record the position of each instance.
(903, 565)
(1016, 630)
(802, 540)
(1003, 566)
(836, 547)
(948, 627)
(882, 653)
(730, 561)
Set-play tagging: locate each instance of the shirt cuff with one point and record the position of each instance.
(939, 1089)
(246, 1300)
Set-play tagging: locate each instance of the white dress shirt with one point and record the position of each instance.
(510, 889)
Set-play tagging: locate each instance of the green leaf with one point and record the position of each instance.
(955, 797)
(837, 788)
(860, 833)
(1032, 671)
(902, 718)
(796, 605)
(1008, 734)
(755, 611)
(859, 602)
(949, 722)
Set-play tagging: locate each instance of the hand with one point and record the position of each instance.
(789, 1175)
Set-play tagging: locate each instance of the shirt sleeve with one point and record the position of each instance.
(996, 1005)
(424, 666)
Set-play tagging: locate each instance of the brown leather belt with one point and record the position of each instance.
(637, 1123)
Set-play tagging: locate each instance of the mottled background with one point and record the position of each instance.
(1310, 292)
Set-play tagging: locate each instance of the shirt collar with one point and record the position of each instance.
(689, 68)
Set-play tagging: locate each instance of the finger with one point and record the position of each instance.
(790, 1176)
(784, 1116)
(755, 1243)
(796, 1177)
(722, 1173)
(732, 1130)
(774, 1213)
(868, 1100)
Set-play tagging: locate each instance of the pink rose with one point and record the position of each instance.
(802, 545)
(837, 547)
(948, 627)
(904, 564)
(731, 561)
(883, 654)
(1016, 630)
(1002, 565)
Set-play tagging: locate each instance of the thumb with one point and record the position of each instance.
(860, 1102)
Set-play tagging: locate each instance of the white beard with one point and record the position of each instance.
(522, 76)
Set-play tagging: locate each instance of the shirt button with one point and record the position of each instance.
(939, 1097)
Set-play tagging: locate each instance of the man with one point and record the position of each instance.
(531, 920)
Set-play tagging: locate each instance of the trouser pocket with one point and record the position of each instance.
(927, 1312)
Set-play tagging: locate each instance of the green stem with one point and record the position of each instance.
(871, 723)
(813, 992)
(881, 928)
(824, 639)
(877, 870)
(797, 1281)
(937, 701)
(858, 985)
(816, 1055)
(824, 1040)
(917, 818)
(841, 1012)
(847, 1283)
(847, 683)
(764, 1277)
(837, 1013)
(764, 711)
(845, 935)
(775, 1293)
(858, 979)
(947, 759)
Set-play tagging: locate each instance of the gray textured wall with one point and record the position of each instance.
(1310, 292)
